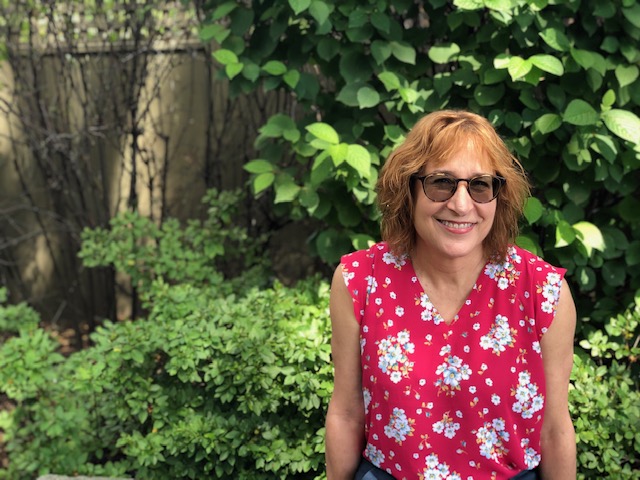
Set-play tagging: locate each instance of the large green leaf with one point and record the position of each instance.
(626, 74)
(324, 132)
(623, 123)
(380, 50)
(299, 6)
(518, 67)
(590, 236)
(390, 80)
(548, 122)
(565, 234)
(368, 97)
(286, 189)
(259, 166)
(443, 53)
(556, 39)
(533, 210)
(360, 159)
(275, 67)
(633, 14)
(225, 56)
(579, 112)
(262, 182)
(320, 11)
(403, 52)
(548, 63)
(486, 95)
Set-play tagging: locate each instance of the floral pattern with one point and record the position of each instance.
(459, 398)
(394, 354)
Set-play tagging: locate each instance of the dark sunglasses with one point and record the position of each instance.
(440, 187)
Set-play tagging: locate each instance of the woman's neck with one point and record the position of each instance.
(445, 272)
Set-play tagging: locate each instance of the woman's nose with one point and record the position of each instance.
(461, 201)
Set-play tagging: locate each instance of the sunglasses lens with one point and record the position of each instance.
(482, 188)
(439, 187)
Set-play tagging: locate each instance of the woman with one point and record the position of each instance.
(452, 347)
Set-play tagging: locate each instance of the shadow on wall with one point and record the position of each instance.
(87, 135)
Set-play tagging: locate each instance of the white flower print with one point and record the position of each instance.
(347, 275)
(429, 314)
(531, 457)
(505, 273)
(434, 470)
(372, 284)
(399, 311)
(399, 427)
(397, 262)
(528, 401)
(491, 438)
(550, 290)
(366, 395)
(392, 356)
(374, 455)
(500, 336)
(453, 371)
(403, 337)
(447, 426)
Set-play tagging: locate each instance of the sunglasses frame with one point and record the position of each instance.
(494, 178)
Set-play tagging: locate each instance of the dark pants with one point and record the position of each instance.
(368, 471)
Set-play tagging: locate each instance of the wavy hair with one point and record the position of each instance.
(432, 141)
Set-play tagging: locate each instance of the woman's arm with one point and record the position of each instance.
(345, 418)
(558, 439)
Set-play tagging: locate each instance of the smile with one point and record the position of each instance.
(456, 225)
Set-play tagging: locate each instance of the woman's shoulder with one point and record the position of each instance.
(377, 254)
(375, 250)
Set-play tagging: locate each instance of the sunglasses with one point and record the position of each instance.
(440, 187)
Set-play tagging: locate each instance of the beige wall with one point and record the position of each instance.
(191, 130)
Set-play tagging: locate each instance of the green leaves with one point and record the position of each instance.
(624, 124)
(558, 85)
(323, 132)
(579, 112)
(299, 6)
(526, 69)
(443, 53)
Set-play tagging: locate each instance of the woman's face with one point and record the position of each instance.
(455, 228)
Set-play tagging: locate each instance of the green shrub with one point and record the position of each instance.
(193, 253)
(233, 387)
(558, 78)
(605, 399)
(228, 380)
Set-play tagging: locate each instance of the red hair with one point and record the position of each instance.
(432, 141)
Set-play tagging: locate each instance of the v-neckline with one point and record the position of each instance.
(421, 291)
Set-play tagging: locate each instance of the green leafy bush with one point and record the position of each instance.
(605, 399)
(232, 387)
(194, 253)
(559, 79)
(228, 380)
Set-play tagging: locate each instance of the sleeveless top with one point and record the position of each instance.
(463, 401)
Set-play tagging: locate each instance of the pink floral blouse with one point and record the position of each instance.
(458, 401)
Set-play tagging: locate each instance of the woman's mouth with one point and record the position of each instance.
(456, 225)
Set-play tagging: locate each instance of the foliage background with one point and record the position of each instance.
(202, 384)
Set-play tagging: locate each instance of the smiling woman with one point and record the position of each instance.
(452, 346)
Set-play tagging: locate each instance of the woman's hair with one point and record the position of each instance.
(432, 141)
